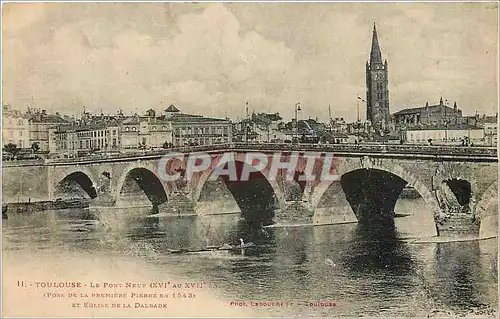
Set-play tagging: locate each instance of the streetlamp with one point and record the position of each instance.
(446, 131)
(357, 105)
(297, 110)
(357, 109)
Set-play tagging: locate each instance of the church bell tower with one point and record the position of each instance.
(377, 92)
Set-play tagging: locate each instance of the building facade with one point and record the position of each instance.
(491, 134)
(190, 129)
(490, 125)
(439, 114)
(199, 130)
(459, 135)
(78, 139)
(144, 132)
(15, 128)
(39, 125)
(377, 90)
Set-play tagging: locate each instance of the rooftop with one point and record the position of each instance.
(186, 118)
(417, 110)
(47, 118)
(443, 127)
(80, 128)
(172, 108)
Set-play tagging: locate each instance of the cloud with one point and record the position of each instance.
(198, 68)
(211, 58)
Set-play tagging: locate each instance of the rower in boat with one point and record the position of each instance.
(245, 245)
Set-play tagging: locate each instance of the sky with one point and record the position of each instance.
(210, 58)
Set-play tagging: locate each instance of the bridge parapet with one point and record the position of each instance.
(373, 148)
(480, 153)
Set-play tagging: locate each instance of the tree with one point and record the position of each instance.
(167, 145)
(11, 148)
(35, 147)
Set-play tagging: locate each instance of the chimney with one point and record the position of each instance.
(44, 112)
(455, 106)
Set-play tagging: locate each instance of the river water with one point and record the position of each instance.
(363, 271)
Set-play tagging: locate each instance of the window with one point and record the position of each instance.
(114, 132)
(164, 128)
(153, 128)
(133, 128)
(126, 129)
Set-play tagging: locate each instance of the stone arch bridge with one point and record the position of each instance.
(366, 179)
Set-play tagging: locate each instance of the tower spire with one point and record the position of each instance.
(375, 54)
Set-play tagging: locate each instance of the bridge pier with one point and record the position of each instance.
(104, 199)
(178, 204)
(333, 215)
(294, 213)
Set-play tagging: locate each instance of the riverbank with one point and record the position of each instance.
(30, 207)
(430, 240)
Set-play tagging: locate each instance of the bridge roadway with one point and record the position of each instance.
(477, 153)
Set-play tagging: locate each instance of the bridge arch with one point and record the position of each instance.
(147, 180)
(487, 211)
(460, 181)
(369, 163)
(198, 183)
(82, 177)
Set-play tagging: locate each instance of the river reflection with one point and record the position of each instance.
(365, 270)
